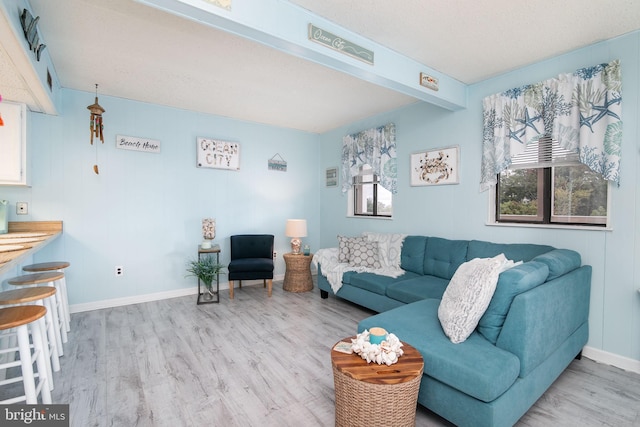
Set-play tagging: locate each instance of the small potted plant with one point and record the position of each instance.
(206, 269)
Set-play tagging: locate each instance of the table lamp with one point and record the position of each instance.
(296, 228)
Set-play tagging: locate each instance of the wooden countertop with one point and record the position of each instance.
(25, 239)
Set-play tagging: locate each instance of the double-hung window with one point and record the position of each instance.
(546, 184)
(369, 197)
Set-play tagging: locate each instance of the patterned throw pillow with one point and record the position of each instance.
(390, 247)
(468, 295)
(343, 247)
(363, 253)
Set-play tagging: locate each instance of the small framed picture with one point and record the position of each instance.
(332, 177)
(435, 167)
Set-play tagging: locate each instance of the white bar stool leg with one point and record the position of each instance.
(55, 341)
(42, 324)
(61, 287)
(41, 363)
(62, 315)
(65, 298)
(26, 363)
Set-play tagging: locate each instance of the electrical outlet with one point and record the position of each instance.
(275, 254)
(119, 270)
(22, 208)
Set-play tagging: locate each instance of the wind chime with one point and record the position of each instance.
(96, 126)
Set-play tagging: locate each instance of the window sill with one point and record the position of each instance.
(549, 226)
(370, 217)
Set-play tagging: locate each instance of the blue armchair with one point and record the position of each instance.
(251, 259)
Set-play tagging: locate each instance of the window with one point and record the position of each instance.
(547, 185)
(369, 197)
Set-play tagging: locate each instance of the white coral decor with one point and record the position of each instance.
(387, 352)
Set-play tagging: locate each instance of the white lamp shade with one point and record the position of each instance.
(296, 228)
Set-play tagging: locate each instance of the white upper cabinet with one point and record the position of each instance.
(13, 144)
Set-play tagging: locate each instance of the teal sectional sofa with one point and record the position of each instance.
(534, 326)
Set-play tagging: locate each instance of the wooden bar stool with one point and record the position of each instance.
(51, 278)
(23, 319)
(45, 296)
(62, 288)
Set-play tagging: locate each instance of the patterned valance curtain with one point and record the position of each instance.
(582, 111)
(375, 147)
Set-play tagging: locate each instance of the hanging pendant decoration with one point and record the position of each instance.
(96, 125)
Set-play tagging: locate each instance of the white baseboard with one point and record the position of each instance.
(137, 299)
(612, 359)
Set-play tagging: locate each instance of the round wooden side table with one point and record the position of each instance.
(297, 276)
(370, 394)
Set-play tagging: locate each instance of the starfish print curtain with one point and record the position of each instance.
(375, 147)
(582, 111)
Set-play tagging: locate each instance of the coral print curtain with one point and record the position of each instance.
(375, 147)
(582, 111)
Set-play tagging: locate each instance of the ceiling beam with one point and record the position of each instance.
(285, 26)
(32, 73)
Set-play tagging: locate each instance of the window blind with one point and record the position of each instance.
(543, 154)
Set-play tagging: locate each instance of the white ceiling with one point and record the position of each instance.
(137, 52)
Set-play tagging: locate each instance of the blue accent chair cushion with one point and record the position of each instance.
(251, 257)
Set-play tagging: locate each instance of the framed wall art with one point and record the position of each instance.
(332, 177)
(436, 167)
(218, 154)
(277, 163)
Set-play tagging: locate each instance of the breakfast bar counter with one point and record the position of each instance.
(24, 239)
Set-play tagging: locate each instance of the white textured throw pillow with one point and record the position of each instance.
(363, 253)
(390, 247)
(468, 295)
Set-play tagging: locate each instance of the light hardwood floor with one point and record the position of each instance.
(258, 361)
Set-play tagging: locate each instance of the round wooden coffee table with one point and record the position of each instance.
(370, 394)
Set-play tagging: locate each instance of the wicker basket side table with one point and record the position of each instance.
(297, 276)
(370, 394)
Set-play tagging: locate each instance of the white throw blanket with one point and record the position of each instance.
(389, 250)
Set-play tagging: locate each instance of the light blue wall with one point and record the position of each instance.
(143, 211)
(460, 211)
